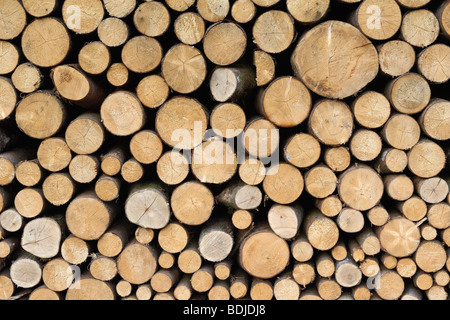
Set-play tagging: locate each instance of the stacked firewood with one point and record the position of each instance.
(224, 150)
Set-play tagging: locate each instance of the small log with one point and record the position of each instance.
(144, 292)
(423, 280)
(378, 216)
(10, 57)
(184, 68)
(135, 59)
(360, 187)
(137, 263)
(413, 4)
(232, 83)
(112, 242)
(152, 91)
(107, 188)
(75, 250)
(365, 145)
(284, 183)
(337, 158)
(189, 260)
(302, 150)
(27, 78)
(216, 240)
(103, 268)
(286, 288)
(348, 273)
(330, 206)
(439, 215)
(94, 58)
(84, 168)
(185, 113)
(120, 9)
(388, 261)
(166, 260)
(284, 220)
(378, 20)
(40, 115)
(239, 284)
(172, 168)
(219, 291)
(183, 290)
(252, 172)
(146, 147)
(214, 162)
(113, 32)
(42, 237)
(202, 280)
(192, 203)
(398, 186)
(261, 138)
(428, 232)
(189, 28)
(274, 31)
(350, 220)
(174, 237)
(369, 242)
(320, 181)
(132, 171)
(147, 206)
(58, 188)
(46, 42)
(391, 160)
(339, 251)
(11, 220)
(406, 267)
(430, 256)
(265, 67)
(87, 217)
(124, 288)
(213, 11)
(431, 190)
(301, 249)
(240, 196)
(321, 231)
(38, 8)
(224, 43)
(331, 122)
(118, 74)
(74, 85)
(7, 286)
(243, 11)
(325, 265)
(356, 251)
(144, 235)
(26, 271)
(8, 246)
(54, 154)
(408, 85)
(391, 285)
(57, 275)
(286, 102)
(29, 173)
(419, 37)
(122, 113)
(328, 289)
(222, 269)
(399, 237)
(90, 14)
(30, 202)
(242, 219)
(163, 280)
(112, 161)
(433, 64)
(261, 289)
(361, 292)
(426, 159)
(308, 12)
(442, 13)
(433, 122)
(151, 19)
(396, 58)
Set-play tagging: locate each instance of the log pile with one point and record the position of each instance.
(224, 150)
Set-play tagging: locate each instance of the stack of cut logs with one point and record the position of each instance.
(224, 150)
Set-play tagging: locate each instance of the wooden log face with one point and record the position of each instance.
(274, 31)
(333, 77)
(52, 39)
(399, 237)
(264, 255)
(14, 18)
